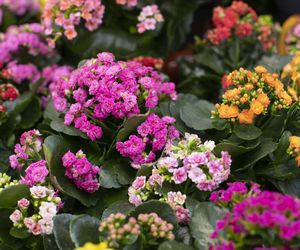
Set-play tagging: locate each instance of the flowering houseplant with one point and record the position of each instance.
(239, 39)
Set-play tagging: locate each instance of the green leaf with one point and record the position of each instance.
(20, 233)
(123, 207)
(9, 196)
(59, 126)
(291, 186)
(20, 104)
(54, 148)
(50, 112)
(130, 125)
(116, 172)
(31, 114)
(197, 115)
(61, 231)
(202, 223)
(49, 242)
(266, 147)
(171, 245)
(233, 148)
(84, 229)
(281, 151)
(161, 208)
(247, 132)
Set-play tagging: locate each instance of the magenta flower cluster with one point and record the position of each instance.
(81, 171)
(36, 173)
(236, 192)
(272, 218)
(20, 7)
(105, 88)
(148, 18)
(28, 148)
(154, 133)
(15, 42)
(62, 16)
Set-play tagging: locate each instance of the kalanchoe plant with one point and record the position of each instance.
(292, 39)
(268, 219)
(81, 171)
(155, 133)
(252, 94)
(104, 91)
(239, 39)
(45, 203)
(119, 231)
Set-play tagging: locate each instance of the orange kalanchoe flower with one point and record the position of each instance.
(252, 94)
(294, 148)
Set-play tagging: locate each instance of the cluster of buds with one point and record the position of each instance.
(142, 190)
(251, 94)
(36, 213)
(291, 71)
(81, 171)
(294, 148)
(7, 93)
(239, 21)
(148, 18)
(120, 231)
(63, 16)
(236, 192)
(5, 181)
(27, 151)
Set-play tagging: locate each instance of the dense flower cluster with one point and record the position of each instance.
(148, 18)
(252, 94)
(240, 20)
(6, 181)
(187, 159)
(271, 218)
(154, 133)
(149, 61)
(28, 148)
(35, 173)
(236, 192)
(36, 214)
(120, 231)
(104, 88)
(292, 39)
(19, 7)
(129, 3)
(63, 16)
(81, 171)
(142, 190)
(292, 71)
(19, 44)
(294, 148)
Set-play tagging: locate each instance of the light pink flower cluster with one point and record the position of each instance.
(81, 171)
(117, 229)
(142, 190)
(154, 133)
(36, 214)
(28, 148)
(23, 40)
(62, 16)
(148, 18)
(20, 7)
(129, 3)
(105, 88)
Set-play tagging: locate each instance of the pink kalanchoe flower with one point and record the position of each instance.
(154, 132)
(81, 171)
(129, 3)
(36, 173)
(148, 18)
(104, 88)
(23, 203)
(21, 7)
